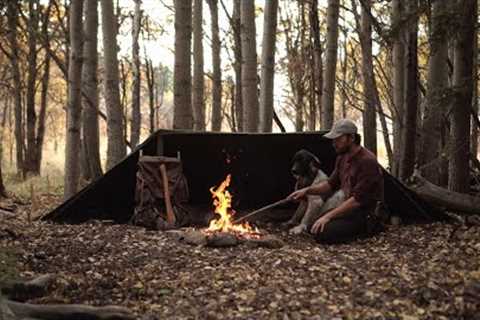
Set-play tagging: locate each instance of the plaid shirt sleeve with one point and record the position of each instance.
(368, 180)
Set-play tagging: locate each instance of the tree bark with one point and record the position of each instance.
(182, 100)
(237, 43)
(32, 27)
(398, 62)
(459, 169)
(198, 98)
(328, 95)
(150, 75)
(407, 148)
(12, 16)
(249, 67)
(116, 148)
(136, 121)
(217, 70)
(475, 128)
(317, 55)
(268, 65)
(368, 76)
(40, 136)
(450, 200)
(3, 191)
(90, 129)
(72, 147)
(434, 102)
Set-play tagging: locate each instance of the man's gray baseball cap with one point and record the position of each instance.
(341, 127)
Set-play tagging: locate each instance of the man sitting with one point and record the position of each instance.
(358, 173)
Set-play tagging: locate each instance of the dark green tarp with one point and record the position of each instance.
(259, 165)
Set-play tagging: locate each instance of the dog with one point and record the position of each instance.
(306, 170)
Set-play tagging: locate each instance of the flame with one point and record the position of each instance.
(222, 200)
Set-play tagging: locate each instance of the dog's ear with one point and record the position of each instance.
(315, 162)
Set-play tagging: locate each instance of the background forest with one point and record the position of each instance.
(84, 82)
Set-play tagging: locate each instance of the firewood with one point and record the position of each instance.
(222, 239)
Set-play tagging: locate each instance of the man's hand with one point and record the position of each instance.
(298, 195)
(319, 225)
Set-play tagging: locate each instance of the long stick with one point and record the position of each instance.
(166, 192)
(270, 206)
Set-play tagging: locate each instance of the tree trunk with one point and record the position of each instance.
(123, 96)
(398, 62)
(198, 98)
(249, 67)
(3, 191)
(459, 177)
(328, 95)
(116, 149)
(434, 101)
(136, 121)
(474, 126)
(237, 43)
(40, 136)
(182, 87)
(32, 27)
(12, 16)
(369, 84)
(407, 148)
(444, 198)
(72, 147)
(317, 55)
(217, 69)
(150, 75)
(268, 65)
(344, 64)
(90, 129)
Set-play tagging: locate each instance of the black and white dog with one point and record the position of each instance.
(306, 170)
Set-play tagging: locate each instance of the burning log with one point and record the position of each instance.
(224, 231)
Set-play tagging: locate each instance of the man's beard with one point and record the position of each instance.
(342, 150)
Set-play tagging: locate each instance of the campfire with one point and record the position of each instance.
(223, 230)
(222, 200)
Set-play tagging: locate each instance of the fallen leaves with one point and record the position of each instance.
(412, 272)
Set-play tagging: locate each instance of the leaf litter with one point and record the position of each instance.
(408, 272)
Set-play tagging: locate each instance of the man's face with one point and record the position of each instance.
(343, 143)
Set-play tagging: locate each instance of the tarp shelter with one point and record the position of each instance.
(258, 162)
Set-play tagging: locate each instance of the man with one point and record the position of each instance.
(358, 173)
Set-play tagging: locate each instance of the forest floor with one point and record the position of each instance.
(408, 272)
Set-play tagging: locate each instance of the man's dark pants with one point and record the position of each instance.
(343, 229)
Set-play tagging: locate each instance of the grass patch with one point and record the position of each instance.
(50, 182)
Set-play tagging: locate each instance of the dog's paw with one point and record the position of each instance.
(287, 225)
(298, 229)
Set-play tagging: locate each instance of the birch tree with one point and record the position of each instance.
(328, 95)
(72, 147)
(217, 70)
(268, 65)
(136, 76)
(116, 148)
(90, 130)
(249, 66)
(198, 98)
(182, 87)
